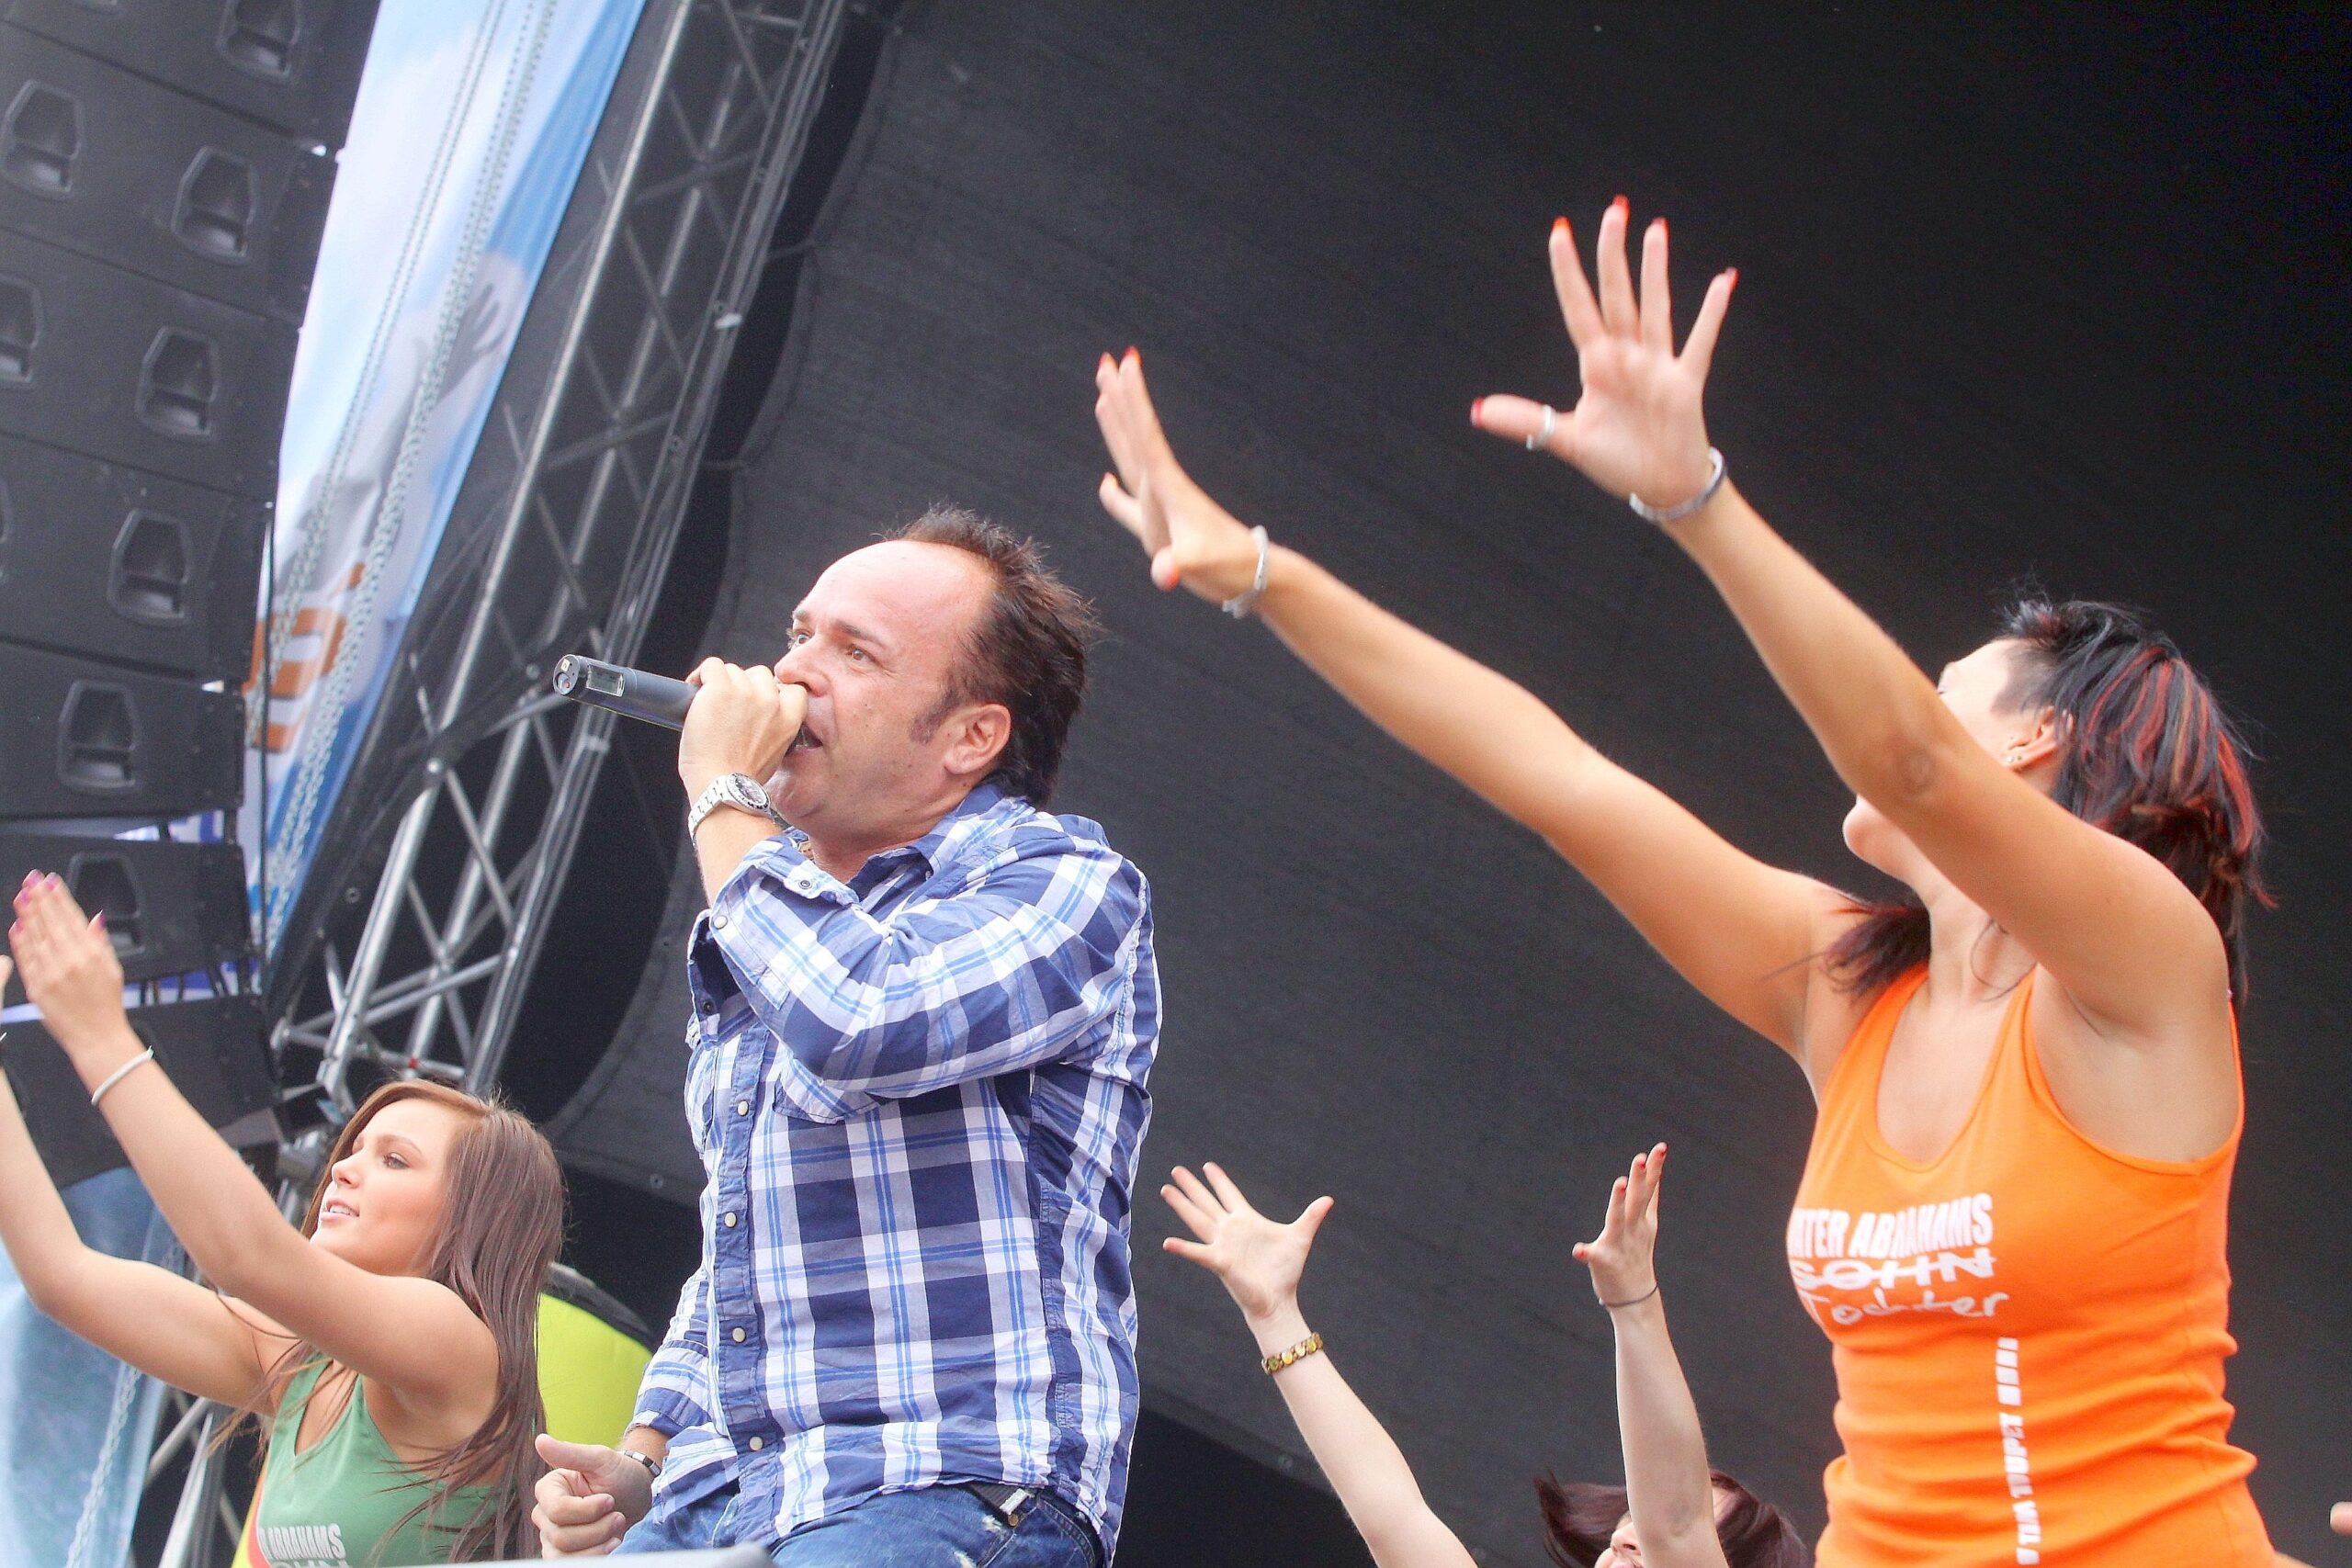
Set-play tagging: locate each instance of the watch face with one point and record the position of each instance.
(740, 788)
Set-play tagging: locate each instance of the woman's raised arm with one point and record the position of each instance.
(1259, 1261)
(2129, 943)
(1668, 1487)
(168, 1327)
(1738, 930)
(414, 1337)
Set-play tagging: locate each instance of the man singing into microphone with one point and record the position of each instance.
(924, 1011)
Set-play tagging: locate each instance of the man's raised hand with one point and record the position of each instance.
(1258, 1260)
(1639, 426)
(742, 720)
(1193, 541)
(588, 1498)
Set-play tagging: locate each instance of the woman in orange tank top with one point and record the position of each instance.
(2012, 1225)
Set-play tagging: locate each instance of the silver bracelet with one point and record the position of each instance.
(122, 1073)
(1240, 605)
(1663, 514)
(652, 1466)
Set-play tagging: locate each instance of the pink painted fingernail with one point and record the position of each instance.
(1733, 275)
(1475, 407)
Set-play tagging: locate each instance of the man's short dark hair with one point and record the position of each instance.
(1027, 648)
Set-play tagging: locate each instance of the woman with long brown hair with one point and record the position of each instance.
(389, 1344)
(2012, 1222)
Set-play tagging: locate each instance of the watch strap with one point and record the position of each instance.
(740, 791)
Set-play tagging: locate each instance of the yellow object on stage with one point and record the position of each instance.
(588, 1373)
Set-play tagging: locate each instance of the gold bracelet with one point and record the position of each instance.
(1311, 1345)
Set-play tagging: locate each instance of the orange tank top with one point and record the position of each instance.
(2028, 1331)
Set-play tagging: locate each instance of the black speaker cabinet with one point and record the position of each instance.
(99, 360)
(293, 64)
(80, 739)
(100, 560)
(214, 1050)
(170, 907)
(108, 165)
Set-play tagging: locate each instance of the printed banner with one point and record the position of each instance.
(465, 142)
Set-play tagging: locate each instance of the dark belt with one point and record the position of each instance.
(1010, 1504)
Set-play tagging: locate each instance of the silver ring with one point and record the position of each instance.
(1543, 437)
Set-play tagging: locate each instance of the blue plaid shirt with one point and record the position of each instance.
(919, 1098)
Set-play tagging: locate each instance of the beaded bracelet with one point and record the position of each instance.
(1307, 1347)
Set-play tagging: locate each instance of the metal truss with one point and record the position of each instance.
(469, 793)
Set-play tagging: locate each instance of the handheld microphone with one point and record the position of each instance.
(632, 693)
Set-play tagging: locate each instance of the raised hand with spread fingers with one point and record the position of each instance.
(1639, 427)
(1259, 1261)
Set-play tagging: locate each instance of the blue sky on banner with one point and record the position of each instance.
(466, 141)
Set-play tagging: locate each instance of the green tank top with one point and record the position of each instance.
(335, 1505)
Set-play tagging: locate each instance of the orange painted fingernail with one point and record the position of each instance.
(1621, 204)
(1732, 274)
(1560, 225)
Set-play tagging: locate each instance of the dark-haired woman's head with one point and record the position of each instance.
(2094, 707)
(1589, 1526)
(429, 1182)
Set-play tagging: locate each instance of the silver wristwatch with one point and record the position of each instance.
(740, 790)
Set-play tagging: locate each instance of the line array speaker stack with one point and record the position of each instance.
(165, 171)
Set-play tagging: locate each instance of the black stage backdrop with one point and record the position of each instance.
(2064, 296)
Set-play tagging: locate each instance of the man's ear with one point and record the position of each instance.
(976, 737)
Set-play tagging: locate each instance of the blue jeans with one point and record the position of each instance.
(936, 1527)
